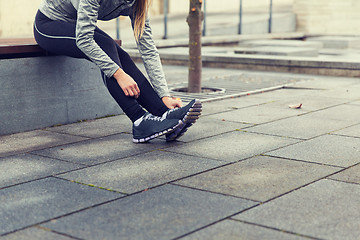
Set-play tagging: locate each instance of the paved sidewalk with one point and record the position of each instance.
(250, 168)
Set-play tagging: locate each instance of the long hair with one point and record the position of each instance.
(141, 8)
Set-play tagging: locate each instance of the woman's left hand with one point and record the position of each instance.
(171, 102)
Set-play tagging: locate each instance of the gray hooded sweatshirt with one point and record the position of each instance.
(85, 13)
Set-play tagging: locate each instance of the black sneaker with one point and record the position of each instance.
(187, 114)
(149, 127)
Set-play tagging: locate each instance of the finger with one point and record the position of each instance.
(137, 89)
(135, 92)
(126, 92)
(179, 103)
(131, 92)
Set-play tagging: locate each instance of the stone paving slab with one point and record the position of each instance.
(165, 212)
(259, 179)
(235, 230)
(312, 99)
(349, 92)
(328, 83)
(96, 128)
(209, 127)
(256, 114)
(281, 94)
(30, 141)
(302, 127)
(345, 113)
(232, 104)
(34, 202)
(35, 233)
(102, 149)
(310, 102)
(328, 149)
(26, 167)
(353, 131)
(140, 172)
(326, 209)
(234, 146)
(351, 175)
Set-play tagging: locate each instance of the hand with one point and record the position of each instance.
(171, 102)
(127, 84)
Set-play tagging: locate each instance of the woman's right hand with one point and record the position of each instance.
(127, 83)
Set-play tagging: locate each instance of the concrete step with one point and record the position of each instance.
(282, 43)
(278, 51)
(337, 42)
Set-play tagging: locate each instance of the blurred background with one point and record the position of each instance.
(320, 17)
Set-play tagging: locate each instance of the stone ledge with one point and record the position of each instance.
(291, 64)
(45, 91)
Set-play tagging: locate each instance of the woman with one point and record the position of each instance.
(68, 27)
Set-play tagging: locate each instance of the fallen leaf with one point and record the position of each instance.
(296, 106)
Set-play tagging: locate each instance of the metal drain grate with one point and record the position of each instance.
(234, 86)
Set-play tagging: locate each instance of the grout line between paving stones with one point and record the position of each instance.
(52, 146)
(190, 155)
(59, 233)
(246, 130)
(29, 181)
(276, 229)
(172, 183)
(342, 181)
(58, 159)
(90, 185)
(303, 186)
(355, 124)
(54, 175)
(298, 115)
(99, 138)
(303, 161)
(216, 135)
(65, 215)
(341, 135)
(213, 223)
(303, 139)
(325, 177)
(76, 135)
(212, 192)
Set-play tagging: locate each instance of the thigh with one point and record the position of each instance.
(57, 37)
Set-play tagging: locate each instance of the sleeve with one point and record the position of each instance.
(85, 27)
(151, 59)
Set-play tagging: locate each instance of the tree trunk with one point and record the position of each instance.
(195, 62)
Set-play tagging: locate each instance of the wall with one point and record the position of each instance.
(182, 6)
(328, 16)
(45, 91)
(17, 16)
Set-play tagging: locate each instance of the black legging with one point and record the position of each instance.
(59, 37)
